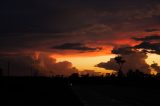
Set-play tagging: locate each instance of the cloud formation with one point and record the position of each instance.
(48, 26)
(134, 60)
(123, 50)
(18, 65)
(75, 46)
(135, 56)
(152, 30)
(49, 67)
(34, 25)
(148, 38)
(42, 65)
(150, 47)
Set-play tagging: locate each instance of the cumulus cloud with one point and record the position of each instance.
(43, 65)
(49, 66)
(135, 56)
(134, 60)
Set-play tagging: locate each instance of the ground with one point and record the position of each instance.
(111, 95)
(51, 92)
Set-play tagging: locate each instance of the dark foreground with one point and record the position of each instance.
(36, 92)
(109, 95)
(28, 91)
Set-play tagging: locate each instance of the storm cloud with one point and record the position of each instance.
(34, 25)
(75, 46)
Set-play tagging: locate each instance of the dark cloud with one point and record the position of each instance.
(18, 65)
(154, 47)
(148, 38)
(152, 30)
(75, 46)
(56, 16)
(34, 24)
(123, 50)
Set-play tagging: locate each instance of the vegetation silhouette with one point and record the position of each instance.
(120, 61)
(119, 78)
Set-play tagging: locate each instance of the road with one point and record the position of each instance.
(109, 95)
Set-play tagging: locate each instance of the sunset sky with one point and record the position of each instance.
(67, 36)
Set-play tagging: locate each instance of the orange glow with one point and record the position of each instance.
(125, 42)
(71, 53)
(87, 60)
(88, 63)
(36, 56)
(153, 72)
(153, 58)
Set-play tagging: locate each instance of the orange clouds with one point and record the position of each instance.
(133, 61)
(48, 66)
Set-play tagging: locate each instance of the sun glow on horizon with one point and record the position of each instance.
(88, 63)
(153, 58)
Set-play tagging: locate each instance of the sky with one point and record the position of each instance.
(61, 37)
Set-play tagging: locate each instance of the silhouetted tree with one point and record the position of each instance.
(135, 74)
(85, 76)
(130, 74)
(158, 75)
(139, 74)
(120, 61)
(112, 75)
(74, 76)
(35, 72)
